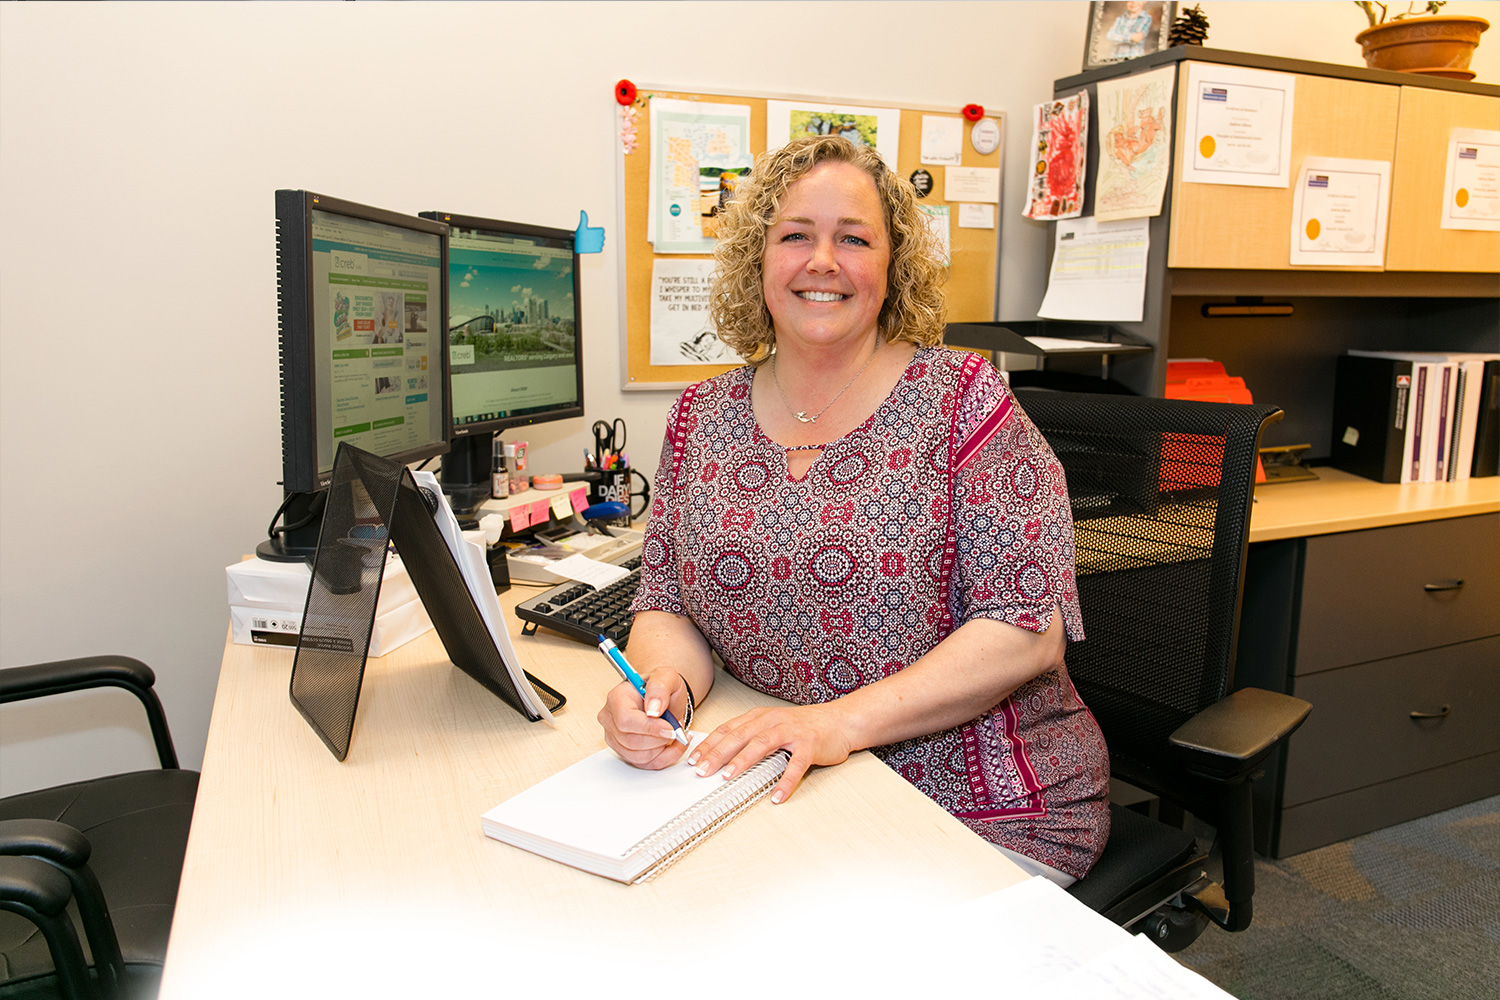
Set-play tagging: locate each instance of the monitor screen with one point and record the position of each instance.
(362, 307)
(514, 338)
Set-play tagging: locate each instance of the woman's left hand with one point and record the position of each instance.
(813, 733)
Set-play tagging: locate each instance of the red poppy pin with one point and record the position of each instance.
(973, 112)
(625, 92)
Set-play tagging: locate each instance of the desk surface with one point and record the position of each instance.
(1340, 501)
(372, 877)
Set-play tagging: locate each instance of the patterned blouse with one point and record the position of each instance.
(810, 588)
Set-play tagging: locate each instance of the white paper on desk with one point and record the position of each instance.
(1471, 183)
(590, 571)
(1339, 211)
(1098, 271)
(1239, 126)
(1055, 344)
(476, 574)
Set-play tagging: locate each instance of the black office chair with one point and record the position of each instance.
(116, 843)
(1162, 492)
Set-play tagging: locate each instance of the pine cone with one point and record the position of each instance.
(1190, 28)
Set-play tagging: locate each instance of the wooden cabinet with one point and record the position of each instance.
(1415, 241)
(1227, 226)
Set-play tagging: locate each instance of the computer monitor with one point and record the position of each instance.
(362, 306)
(514, 340)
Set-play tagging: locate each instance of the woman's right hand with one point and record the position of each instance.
(634, 728)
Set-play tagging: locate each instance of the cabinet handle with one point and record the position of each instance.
(1441, 713)
(1433, 588)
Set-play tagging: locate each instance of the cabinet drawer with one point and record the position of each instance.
(1364, 593)
(1361, 731)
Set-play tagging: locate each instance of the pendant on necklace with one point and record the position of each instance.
(802, 416)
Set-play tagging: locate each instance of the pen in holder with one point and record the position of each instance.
(614, 484)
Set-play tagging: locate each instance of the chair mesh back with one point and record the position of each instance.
(1161, 492)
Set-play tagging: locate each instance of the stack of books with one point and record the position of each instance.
(1417, 416)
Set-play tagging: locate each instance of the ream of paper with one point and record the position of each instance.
(1135, 144)
(1098, 271)
(1059, 142)
(1339, 212)
(972, 216)
(681, 333)
(972, 184)
(878, 127)
(1471, 182)
(698, 152)
(1239, 126)
(942, 141)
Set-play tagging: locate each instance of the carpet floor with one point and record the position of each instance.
(1406, 913)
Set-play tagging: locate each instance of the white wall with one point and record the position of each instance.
(139, 148)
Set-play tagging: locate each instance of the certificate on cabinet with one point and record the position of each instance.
(1471, 184)
(1239, 126)
(1339, 212)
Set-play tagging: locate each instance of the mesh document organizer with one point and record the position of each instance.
(372, 499)
(1161, 492)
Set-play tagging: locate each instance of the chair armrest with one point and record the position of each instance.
(40, 893)
(39, 680)
(1229, 739)
(66, 851)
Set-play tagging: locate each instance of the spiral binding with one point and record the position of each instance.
(709, 815)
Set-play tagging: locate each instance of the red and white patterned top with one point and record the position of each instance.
(810, 588)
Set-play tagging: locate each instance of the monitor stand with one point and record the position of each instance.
(301, 515)
(465, 473)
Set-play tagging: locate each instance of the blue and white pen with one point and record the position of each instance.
(609, 649)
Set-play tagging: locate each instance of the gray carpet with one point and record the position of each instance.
(1407, 913)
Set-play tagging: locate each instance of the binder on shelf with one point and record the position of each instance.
(373, 502)
(1371, 413)
(1444, 414)
(1487, 423)
(606, 817)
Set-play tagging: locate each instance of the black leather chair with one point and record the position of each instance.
(116, 842)
(1162, 492)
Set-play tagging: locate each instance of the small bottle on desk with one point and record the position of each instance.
(500, 477)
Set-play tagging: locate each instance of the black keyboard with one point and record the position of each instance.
(580, 612)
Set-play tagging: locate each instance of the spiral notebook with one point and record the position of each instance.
(611, 819)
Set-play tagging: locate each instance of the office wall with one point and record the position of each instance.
(139, 148)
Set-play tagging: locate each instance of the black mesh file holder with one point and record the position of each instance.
(370, 500)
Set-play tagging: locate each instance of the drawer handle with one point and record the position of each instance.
(1433, 588)
(1441, 713)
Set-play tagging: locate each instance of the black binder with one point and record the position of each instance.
(1369, 416)
(371, 501)
(1487, 429)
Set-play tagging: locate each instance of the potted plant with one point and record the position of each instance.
(1420, 40)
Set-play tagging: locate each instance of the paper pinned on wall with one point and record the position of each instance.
(878, 127)
(938, 220)
(1471, 182)
(942, 141)
(681, 333)
(1135, 144)
(697, 150)
(1098, 271)
(1339, 212)
(972, 184)
(972, 216)
(1239, 126)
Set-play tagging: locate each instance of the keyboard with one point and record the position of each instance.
(580, 612)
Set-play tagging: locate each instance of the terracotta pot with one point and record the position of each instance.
(1440, 45)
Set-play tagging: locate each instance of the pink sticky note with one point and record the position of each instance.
(518, 519)
(539, 513)
(579, 498)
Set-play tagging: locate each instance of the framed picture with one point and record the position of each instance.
(1124, 29)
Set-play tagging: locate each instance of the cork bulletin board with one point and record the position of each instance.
(974, 252)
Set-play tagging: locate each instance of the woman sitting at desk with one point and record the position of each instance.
(866, 525)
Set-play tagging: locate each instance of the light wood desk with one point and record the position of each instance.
(1341, 501)
(305, 876)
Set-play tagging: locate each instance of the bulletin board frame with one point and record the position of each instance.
(973, 287)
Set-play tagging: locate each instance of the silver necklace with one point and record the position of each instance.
(802, 414)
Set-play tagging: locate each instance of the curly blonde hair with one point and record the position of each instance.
(914, 309)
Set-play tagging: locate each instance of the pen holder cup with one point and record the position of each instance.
(614, 485)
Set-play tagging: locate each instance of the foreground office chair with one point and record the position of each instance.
(1161, 492)
(113, 845)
